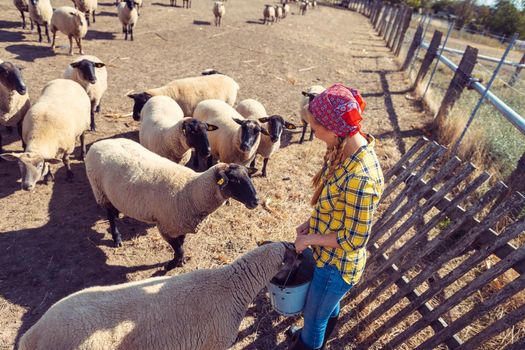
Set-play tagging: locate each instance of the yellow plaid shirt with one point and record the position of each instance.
(345, 207)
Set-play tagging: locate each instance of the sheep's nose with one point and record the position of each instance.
(22, 89)
(27, 187)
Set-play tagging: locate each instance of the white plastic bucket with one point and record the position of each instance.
(288, 301)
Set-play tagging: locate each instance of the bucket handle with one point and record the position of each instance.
(290, 273)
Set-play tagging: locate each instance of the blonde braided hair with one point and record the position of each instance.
(333, 157)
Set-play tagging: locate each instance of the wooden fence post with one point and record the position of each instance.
(404, 28)
(516, 74)
(386, 13)
(458, 84)
(397, 26)
(377, 14)
(393, 15)
(416, 42)
(429, 57)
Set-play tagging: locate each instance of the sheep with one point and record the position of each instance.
(126, 177)
(186, 4)
(165, 131)
(237, 139)
(88, 7)
(139, 4)
(314, 3)
(128, 16)
(306, 116)
(21, 6)
(278, 13)
(188, 92)
(198, 310)
(72, 23)
(286, 10)
(91, 73)
(50, 129)
(269, 14)
(40, 12)
(303, 7)
(218, 11)
(14, 99)
(173, 3)
(252, 109)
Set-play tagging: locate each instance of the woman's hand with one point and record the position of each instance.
(301, 243)
(302, 229)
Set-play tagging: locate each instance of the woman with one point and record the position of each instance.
(347, 190)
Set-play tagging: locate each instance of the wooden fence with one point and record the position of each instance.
(426, 245)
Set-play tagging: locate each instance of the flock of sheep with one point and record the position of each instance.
(195, 152)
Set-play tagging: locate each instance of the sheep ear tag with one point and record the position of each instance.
(222, 181)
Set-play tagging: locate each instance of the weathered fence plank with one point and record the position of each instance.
(429, 57)
(457, 85)
(416, 42)
(416, 147)
(395, 25)
(404, 28)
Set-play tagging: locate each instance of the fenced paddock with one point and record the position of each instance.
(54, 241)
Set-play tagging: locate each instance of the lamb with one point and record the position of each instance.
(50, 129)
(91, 73)
(165, 131)
(198, 310)
(278, 13)
(306, 116)
(252, 109)
(188, 92)
(237, 139)
(128, 16)
(72, 23)
(303, 7)
(22, 7)
(40, 12)
(218, 11)
(269, 14)
(126, 177)
(88, 7)
(286, 10)
(14, 99)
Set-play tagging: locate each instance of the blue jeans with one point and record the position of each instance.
(322, 302)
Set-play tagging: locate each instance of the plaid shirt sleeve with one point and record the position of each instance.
(359, 206)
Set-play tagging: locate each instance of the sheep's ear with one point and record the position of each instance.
(75, 64)
(260, 243)
(289, 126)
(265, 132)
(54, 161)
(99, 64)
(11, 157)
(222, 179)
(264, 120)
(238, 121)
(211, 127)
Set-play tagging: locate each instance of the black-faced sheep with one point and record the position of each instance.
(218, 11)
(306, 116)
(22, 7)
(40, 12)
(128, 16)
(126, 177)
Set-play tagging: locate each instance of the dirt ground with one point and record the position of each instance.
(55, 241)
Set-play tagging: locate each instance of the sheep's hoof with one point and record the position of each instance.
(49, 177)
(177, 262)
(118, 243)
(93, 128)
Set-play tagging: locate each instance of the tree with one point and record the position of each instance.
(506, 19)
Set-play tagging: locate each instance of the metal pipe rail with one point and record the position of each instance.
(511, 115)
(485, 58)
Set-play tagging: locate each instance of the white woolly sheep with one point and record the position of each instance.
(306, 116)
(40, 12)
(254, 110)
(278, 13)
(21, 6)
(14, 99)
(87, 7)
(286, 10)
(50, 129)
(128, 16)
(72, 23)
(303, 7)
(198, 310)
(126, 177)
(90, 72)
(188, 92)
(165, 131)
(139, 4)
(218, 11)
(237, 139)
(269, 14)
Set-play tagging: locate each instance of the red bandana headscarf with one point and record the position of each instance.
(339, 109)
